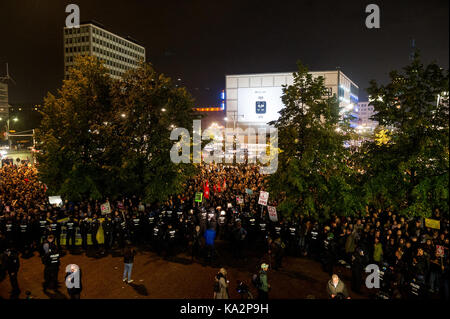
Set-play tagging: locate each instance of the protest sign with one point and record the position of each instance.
(272, 213)
(105, 208)
(199, 197)
(263, 197)
(432, 223)
(439, 251)
(55, 200)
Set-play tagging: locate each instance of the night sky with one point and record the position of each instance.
(202, 41)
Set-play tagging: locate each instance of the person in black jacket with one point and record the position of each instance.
(359, 262)
(93, 229)
(107, 226)
(12, 265)
(196, 242)
(73, 281)
(128, 260)
(71, 225)
(51, 263)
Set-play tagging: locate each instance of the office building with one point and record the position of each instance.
(118, 54)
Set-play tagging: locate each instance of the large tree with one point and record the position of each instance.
(103, 137)
(71, 148)
(147, 106)
(313, 175)
(407, 169)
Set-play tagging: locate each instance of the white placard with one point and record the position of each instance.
(272, 213)
(55, 200)
(263, 197)
(105, 208)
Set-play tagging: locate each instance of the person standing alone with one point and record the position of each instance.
(128, 260)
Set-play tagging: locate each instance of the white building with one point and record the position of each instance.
(253, 100)
(118, 54)
(364, 111)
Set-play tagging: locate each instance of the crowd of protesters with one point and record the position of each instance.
(413, 259)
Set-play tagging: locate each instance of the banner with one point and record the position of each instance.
(240, 199)
(263, 197)
(249, 191)
(105, 208)
(439, 251)
(198, 197)
(272, 213)
(432, 223)
(55, 200)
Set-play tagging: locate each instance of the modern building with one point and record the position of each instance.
(364, 112)
(4, 106)
(253, 100)
(119, 54)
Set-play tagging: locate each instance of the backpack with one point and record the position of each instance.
(256, 281)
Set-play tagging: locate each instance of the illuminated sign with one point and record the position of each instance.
(259, 105)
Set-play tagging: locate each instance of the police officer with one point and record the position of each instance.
(54, 227)
(51, 263)
(117, 230)
(221, 223)
(312, 240)
(359, 262)
(170, 240)
(328, 251)
(135, 228)
(124, 230)
(150, 223)
(158, 233)
(10, 230)
(93, 229)
(84, 230)
(12, 264)
(107, 226)
(293, 238)
(71, 226)
(43, 223)
(25, 234)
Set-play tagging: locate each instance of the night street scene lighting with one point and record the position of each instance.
(218, 158)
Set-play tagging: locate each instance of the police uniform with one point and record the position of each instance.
(107, 226)
(135, 227)
(84, 229)
(42, 228)
(25, 234)
(54, 228)
(51, 266)
(157, 237)
(293, 238)
(93, 229)
(71, 226)
(170, 240)
(150, 223)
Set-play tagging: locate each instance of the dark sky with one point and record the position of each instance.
(202, 41)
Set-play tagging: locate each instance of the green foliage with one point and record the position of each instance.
(313, 176)
(410, 171)
(101, 137)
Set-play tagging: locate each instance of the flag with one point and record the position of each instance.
(206, 190)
